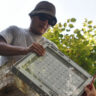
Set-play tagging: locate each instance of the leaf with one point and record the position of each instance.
(67, 30)
(84, 24)
(68, 20)
(60, 35)
(86, 20)
(90, 30)
(65, 24)
(73, 20)
(94, 26)
(63, 29)
(76, 30)
(60, 25)
(95, 31)
(71, 25)
(56, 33)
(83, 29)
(89, 26)
(90, 22)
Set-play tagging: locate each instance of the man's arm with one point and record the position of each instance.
(10, 50)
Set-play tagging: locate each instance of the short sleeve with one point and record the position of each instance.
(7, 34)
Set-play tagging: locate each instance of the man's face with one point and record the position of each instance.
(39, 24)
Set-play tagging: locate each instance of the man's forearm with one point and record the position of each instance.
(10, 50)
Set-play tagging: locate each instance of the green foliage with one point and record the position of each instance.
(71, 25)
(68, 20)
(65, 24)
(73, 20)
(94, 26)
(80, 45)
(90, 22)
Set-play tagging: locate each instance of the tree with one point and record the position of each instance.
(79, 44)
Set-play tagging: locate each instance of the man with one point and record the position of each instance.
(16, 42)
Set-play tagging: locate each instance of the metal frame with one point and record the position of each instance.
(38, 85)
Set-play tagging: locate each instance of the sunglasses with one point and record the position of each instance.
(44, 17)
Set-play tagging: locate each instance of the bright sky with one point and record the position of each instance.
(15, 12)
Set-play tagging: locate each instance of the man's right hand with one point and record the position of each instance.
(37, 48)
